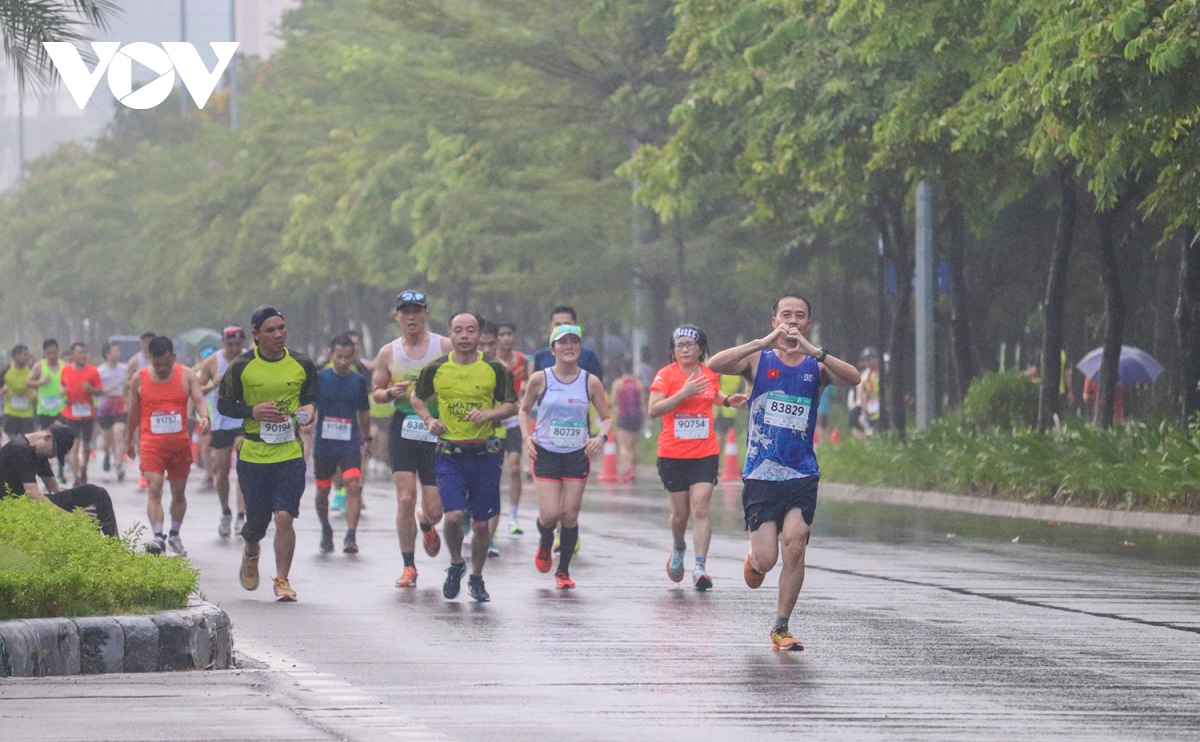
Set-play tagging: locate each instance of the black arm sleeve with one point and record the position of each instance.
(310, 389)
(424, 388)
(504, 382)
(230, 402)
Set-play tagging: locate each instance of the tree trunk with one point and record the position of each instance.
(898, 247)
(680, 267)
(1187, 326)
(1114, 326)
(882, 329)
(1056, 297)
(960, 324)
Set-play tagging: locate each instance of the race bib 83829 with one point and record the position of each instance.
(786, 411)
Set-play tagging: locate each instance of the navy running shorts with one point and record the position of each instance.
(770, 502)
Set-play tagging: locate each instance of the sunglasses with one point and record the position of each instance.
(416, 296)
(234, 332)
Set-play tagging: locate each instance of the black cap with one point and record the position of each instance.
(262, 314)
(408, 298)
(64, 438)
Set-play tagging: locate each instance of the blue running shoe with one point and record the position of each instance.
(675, 565)
(453, 583)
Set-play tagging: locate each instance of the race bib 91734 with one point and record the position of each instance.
(786, 411)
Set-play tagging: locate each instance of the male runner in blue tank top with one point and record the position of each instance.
(779, 495)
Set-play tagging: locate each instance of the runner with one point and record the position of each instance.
(544, 358)
(141, 359)
(271, 389)
(726, 417)
(80, 380)
(226, 431)
(561, 445)
(864, 415)
(205, 439)
(19, 397)
(487, 344)
(474, 394)
(158, 407)
(47, 377)
(683, 395)
(27, 457)
(411, 448)
(113, 414)
(137, 362)
(506, 336)
(344, 411)
(487, 338)
(779, 494)
(628, 396)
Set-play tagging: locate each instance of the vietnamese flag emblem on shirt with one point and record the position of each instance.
(772, 373)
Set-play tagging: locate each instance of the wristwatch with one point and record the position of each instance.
(821, 358)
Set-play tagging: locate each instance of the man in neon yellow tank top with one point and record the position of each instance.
(410, 446)
(271, 389)
(47, 377)
(19, 397)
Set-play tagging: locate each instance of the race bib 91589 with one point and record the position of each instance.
(337, 428)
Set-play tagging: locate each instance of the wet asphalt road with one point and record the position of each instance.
(917, 626)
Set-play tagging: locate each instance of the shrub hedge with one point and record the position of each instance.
(1134, 466)
(54, 564)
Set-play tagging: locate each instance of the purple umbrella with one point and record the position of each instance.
(1136, 366)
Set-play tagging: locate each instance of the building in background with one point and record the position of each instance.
(51, 117)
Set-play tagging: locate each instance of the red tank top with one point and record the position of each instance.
(164, 406)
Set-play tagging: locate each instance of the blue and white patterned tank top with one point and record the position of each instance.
(782, 417)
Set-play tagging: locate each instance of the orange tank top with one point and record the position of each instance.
(164, 406)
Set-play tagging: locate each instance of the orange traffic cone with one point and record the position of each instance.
(835, 437)
(732, 471)
(195, 447)
(816, 437)
(608, 474)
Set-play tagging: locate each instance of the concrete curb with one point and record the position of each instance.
(199, 637)
(1161, 522)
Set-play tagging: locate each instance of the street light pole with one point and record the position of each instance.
(233, 68)
(20, 133)
(182, 37)
(925, 287)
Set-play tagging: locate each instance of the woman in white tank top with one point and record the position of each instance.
(561, 445)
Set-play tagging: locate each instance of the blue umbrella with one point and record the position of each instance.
(1136, 366)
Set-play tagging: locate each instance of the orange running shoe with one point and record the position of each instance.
(408, 578)
(563, 581)
(429, 539)
(543, 561)
(754, 578)
(283, 591)
(782, 639)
